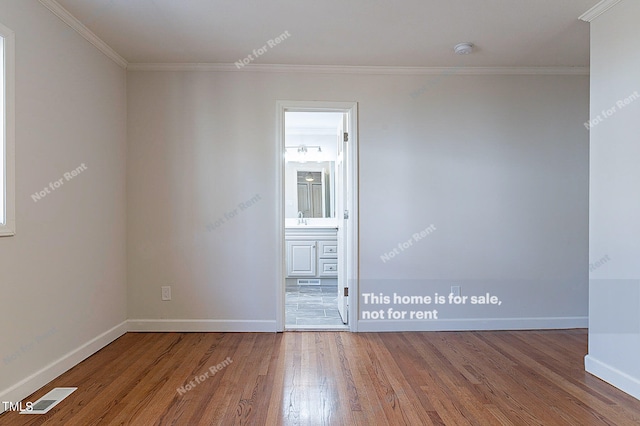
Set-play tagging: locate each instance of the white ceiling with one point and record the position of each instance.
(308, 122)
(421, 33)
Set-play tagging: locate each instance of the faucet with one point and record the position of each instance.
(301, 220)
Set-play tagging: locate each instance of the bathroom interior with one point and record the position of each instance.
(311, 153)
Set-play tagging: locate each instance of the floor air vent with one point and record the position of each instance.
(315, 281)
(50, 400)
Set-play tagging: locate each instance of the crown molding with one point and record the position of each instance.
(85, 32)
(598, 10)
(376, 70)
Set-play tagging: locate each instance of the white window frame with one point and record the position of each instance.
(7, 137)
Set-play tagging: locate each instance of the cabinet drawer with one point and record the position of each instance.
(328, 249)
(328, 267)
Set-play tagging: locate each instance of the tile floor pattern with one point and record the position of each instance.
(308, 305)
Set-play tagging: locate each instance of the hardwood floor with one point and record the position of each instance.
(338, 378)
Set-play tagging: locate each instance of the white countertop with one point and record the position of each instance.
(311, 227)
(312, 223)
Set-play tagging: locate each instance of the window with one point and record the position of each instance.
(7, 148)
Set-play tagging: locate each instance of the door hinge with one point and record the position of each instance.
(346, 137)
(346, 291)
(346, 214)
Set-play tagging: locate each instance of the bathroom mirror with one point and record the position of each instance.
(309, 189)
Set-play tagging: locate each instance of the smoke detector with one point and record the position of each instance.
(463, 48)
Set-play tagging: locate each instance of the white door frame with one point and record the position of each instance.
(351, 260)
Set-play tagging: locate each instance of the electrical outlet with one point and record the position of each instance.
(166, 292)
(455, 290)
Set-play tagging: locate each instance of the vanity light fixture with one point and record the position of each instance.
(302, 153)
(463, 48)
(303, 149)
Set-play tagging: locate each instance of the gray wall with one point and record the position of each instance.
(62, 276)
(614, 240)
(498, 164)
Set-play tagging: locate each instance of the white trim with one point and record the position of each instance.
(351, 108)
(200, 325)
(280, 221)
(353, 240)
(613, 376)
(26, 387)
(343, 69)
(85, 32)
(475, 324)
(598, 10)
(9, 228)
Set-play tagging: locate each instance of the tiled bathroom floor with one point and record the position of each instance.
(312, 307)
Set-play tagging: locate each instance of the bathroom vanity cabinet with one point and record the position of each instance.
(312, 252)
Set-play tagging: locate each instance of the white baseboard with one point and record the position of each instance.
(474, 324)
(613, 376)
(195, 325)
(26, 387)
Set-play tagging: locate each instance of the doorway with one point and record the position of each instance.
(317, 193)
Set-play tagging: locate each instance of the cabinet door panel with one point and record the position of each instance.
(301, 258)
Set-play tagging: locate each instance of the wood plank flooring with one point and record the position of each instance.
(338, 378)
